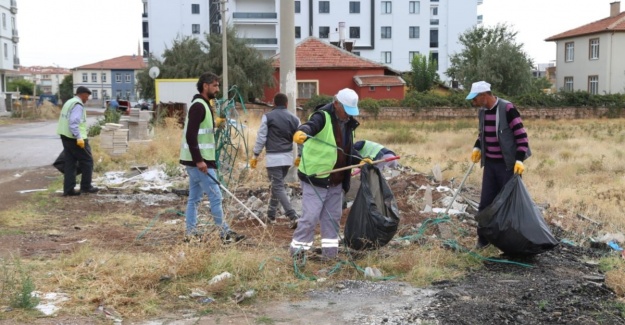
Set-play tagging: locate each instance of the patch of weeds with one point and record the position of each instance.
(550, 183)
(543, 304)
(172, 169)
(608, 264)
(265, 320)
(207, 311)
(17, 286)
(401, 136)
(9, 232)
(596, 165)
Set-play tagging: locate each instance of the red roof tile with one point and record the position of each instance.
(616, 23)
(127, 62)
(379, 81)
(313, 53)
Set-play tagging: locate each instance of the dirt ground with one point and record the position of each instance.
(563, 286)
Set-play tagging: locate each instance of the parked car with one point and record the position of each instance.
(124, 106)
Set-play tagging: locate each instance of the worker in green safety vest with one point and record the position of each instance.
(376, 151)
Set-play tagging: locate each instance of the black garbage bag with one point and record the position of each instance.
(374, 217)
(59, 164)
(513, 223)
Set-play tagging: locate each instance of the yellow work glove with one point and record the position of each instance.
(299, 137)
(253, 162)
(220, 122)
(297, 160)
(518, 167)
(476, 155)
(80, 143)
(365, 161)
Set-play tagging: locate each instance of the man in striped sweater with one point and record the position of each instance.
(501, 146)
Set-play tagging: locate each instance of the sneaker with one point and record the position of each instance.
(91, 190)
(232, 237)
(293, 221)
(72, 193)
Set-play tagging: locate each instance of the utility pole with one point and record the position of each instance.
(288, 80)
(224, 49)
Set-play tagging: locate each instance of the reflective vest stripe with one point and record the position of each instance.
(201, 146)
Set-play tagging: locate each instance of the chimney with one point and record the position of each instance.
(342, 35)
(615, 8)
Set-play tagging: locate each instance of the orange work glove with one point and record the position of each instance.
(476, 155)
(253, 162)
(299, 137)
(297, 161)
(366, 161)
(80, 143)
(220, 122)
(518, 167)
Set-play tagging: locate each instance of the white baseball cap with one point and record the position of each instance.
(349, 99)
(478, 88)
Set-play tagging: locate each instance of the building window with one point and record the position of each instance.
(4, 20)
(6, 51)
(118, 77)
(298, 8)
(371, 88)
(104, 94)
(354, 7)
(386, 57)
(118, 93)
(434, 59)
(569, 52)
(94, 77)
(85, 78)
(434, 22)
(354, 32)
(128, 77)
(568, 83)
(324, 31)
(94, 94)
(324, 7)
(413, 32)
(386, 32)
(414, 7)
(103, 78)
(127, 94)
(306, 89)
(593, 85)
(195, 8)
(356, 53)
(434, 38)
(594, 49)
(411, 56)
(434, 11)
(298, 32)
(195, 28)
(387, 7)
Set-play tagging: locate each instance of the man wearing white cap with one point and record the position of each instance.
(327, 139)
(501, 147)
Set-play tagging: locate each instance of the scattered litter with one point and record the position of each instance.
(221, 277)
(30, 191)
(442, 189)
(76, 242)
(614, 245)
(239, 297)
(618, 237)
(48, 302)
(109, 313)
(173, 222)
(428, 199)
(451, 211)
(372, 272)
(436, 172)
(205, 300)
(152, 179)
(17, 175)
(195, 293)
(568, 242)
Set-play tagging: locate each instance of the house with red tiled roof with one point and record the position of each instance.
(592, 57)
(323, 68)
(110, 78)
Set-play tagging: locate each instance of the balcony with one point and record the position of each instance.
(16, 62)
(262, 41)
(255, 17)
(434, 22)
(16, 37)
(13, 7)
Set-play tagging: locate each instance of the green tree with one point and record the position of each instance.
(189, 57)
(492, 54)
(424, 73)
(66, 88)
(24, 86)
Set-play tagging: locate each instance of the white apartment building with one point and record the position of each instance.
(9, 59)
(390, 32)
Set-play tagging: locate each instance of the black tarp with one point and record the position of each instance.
(59, 164)
(374, 217)
(513, 223)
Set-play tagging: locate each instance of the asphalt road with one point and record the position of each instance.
(35, 144)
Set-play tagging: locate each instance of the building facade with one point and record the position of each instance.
(47, 79)
(390, 32)
(9, 38)
(592, 57)
(110, 78)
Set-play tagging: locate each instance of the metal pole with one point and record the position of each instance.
(459, 188)
(288, 80)
(238, 201)
(224, 50)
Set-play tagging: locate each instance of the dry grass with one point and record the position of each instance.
(577, 167)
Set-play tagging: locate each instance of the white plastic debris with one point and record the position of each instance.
(220, 277)
(48, 302)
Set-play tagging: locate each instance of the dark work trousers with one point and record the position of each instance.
(73, 154)
(278, 192)
(494, 179)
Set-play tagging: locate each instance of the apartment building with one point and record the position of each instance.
(47, 79)
(389, 32)
(9, 38)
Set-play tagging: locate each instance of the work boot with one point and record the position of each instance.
(232, 237)
(293, 221)
(72, 193)
(271, 219)
(90, 190)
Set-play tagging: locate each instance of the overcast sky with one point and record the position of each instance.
(71, 33)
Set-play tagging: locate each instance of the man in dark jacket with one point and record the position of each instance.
(197, 154)
(276, 133)
(327, 140)
(501, 147)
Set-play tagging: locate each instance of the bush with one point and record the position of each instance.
(370, 105)
(110, 116)
(315, 101)
(389, 102)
